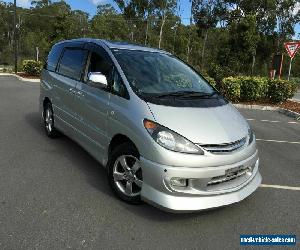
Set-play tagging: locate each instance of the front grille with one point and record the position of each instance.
(224, 148)
(231, 174)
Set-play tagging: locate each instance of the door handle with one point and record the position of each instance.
(71, 90)
(80, 93)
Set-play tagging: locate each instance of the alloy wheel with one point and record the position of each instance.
(49, 120)
(127, 175)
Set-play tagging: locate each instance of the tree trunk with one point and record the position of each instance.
(188, 49)
(253, 62)
(203, 49)
(147, 28)
(161, 30)
(174, 40)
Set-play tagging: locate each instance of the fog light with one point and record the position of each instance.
(178, 182)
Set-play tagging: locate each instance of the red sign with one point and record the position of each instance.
(292, 48)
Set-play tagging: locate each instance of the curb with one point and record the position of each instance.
(20, 78)
(295, 100)
(286, 112)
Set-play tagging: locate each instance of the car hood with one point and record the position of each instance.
(213, 125)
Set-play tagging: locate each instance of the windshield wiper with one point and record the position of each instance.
(187, 94)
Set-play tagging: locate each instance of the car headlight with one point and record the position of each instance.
(171, 140)
(250, 136)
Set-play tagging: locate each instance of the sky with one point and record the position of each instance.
(90, 6)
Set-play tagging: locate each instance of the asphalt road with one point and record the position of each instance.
(53, 195)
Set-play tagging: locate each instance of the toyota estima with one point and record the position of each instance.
(163, 133)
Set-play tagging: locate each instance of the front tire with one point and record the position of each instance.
(125, 173)
(49, 121)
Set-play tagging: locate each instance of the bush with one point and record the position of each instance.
(211, 81)
(32, 67)
(296, 81)
(281, 90)
(244, 88)
(253, 88)
(231, 88)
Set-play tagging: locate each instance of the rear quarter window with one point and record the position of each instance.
(53, 57)
(72, 63)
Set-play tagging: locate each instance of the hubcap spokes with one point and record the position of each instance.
(127, 175)
(48, 120)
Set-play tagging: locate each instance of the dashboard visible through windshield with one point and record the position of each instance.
(153, 72)
(163, 79)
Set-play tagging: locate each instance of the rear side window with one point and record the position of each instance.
(72, 63)
(53, 57)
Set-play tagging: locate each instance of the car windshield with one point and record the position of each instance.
(155, 73)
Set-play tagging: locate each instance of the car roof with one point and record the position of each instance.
(116, 44)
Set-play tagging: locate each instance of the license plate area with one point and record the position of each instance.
(231, 174)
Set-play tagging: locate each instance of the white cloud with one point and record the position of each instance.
(296, 8)
(23, 3)
(97, 2)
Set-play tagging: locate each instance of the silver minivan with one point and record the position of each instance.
(163, 133)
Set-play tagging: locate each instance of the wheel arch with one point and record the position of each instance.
(42, 108)
(117, 140)
(46, 100)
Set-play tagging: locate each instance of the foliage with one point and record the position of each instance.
(231, 88)
(296, 81)
(223, 38)
(208, 78)
(32, 67)
(247, 88)
(211, 81)
(218, 72)
(242, 43)
(281, 90)
(207, 14)
(253, 88)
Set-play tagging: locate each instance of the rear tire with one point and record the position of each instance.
(49, 121)
(125, 173)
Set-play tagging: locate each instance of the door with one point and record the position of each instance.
(69, 73)
(92, 102)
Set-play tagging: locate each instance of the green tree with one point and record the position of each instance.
(287, 18)
(243, 42)
(40, 3)
(207, 14)
(108, 24)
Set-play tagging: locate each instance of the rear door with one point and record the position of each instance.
(92, 102)
(68, 74)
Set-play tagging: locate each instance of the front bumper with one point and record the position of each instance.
(198, 195)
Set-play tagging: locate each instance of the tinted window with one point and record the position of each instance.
(72, 63)
(156, 73)
(100, 64)
(53, 57)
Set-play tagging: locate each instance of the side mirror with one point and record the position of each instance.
(97, 79)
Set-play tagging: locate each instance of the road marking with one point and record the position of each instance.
(271, 121)
(290, 142)
(280, 187)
